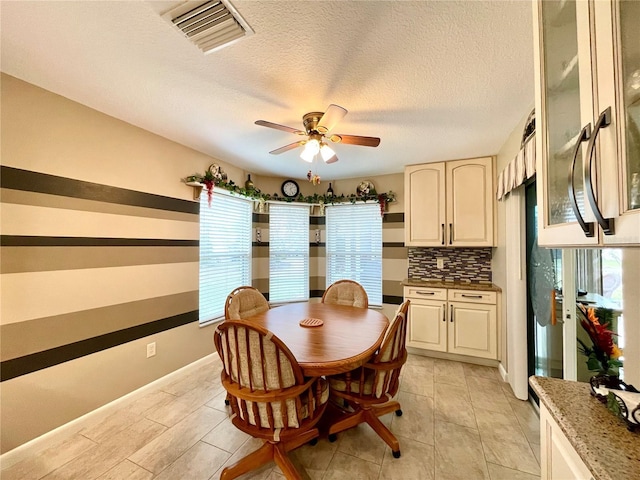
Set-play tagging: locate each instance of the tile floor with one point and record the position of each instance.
(460, 422)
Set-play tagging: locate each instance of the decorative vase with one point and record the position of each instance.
(248, 184)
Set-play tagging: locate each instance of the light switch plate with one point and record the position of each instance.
(440, 263)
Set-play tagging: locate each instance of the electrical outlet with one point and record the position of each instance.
(440, 263)
(151, 349)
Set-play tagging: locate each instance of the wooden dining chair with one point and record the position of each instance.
(244, 302)
(346, 292)
(369, 389)
(270, 398)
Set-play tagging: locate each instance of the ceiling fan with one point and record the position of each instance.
(317, 126)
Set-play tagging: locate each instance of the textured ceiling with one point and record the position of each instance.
(435, 80)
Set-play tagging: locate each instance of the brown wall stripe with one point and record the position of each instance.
(27, 337)
(260, 218)
(18, 179)
(46, 259)
(36, 241)
(37, 199)
(38, 361)
(393, 218)
(392, 300)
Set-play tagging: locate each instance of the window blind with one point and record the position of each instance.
(288, 253)
(354, 247)
(225, 251)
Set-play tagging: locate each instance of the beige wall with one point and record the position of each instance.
(61, 297)
(56, 298)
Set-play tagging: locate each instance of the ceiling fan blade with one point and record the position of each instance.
(333, 159)
(286, 148)
(331, 117)
(355, 140)
(284, 128)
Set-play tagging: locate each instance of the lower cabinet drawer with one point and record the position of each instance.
(472, 296)
(425, 293)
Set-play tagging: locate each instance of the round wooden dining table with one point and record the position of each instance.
(347, 338)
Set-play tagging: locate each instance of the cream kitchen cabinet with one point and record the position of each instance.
(559, 460)
(427, 327)
(587, 65)
(450, 204)
(463, 322)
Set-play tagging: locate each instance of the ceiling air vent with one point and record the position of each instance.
(209, 25)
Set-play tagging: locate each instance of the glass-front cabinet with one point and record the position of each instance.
(587, 56)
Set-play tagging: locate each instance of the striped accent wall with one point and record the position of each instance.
(86, 267)
(394, 256)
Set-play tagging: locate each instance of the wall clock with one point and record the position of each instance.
(290, 189)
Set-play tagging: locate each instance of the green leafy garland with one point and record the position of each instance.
(213, 177)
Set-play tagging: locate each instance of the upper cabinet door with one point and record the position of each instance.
(470, 202)
(450, 204)
(587, 60)
(424, 187)
(618, 57)
(564, 111)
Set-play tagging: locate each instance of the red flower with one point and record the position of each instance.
(601, 337)
(604, 355)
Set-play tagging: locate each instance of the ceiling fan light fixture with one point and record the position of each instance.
(326, 151)
(307, 155)
(313, 145)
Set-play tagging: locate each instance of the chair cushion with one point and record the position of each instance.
(278, 372)
(246, 304)
(391, 351)
(348, 294)
(293, 418)
(339, 382)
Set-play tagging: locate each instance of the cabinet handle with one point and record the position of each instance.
(451, 315)
(443, 234)
(604, 120)
(450, 233)
(587, 228)
(444, 312)
(470, 296)
(425, 293)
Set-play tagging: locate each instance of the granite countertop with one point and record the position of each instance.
(487, 287)
(601, 439)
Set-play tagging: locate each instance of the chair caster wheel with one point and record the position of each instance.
(398, 414)
(333, 437)
(313, 442)
(396, 454)
(227, 403)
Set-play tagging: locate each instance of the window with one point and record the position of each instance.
(288, 253)
(354, 247)
(225, 251)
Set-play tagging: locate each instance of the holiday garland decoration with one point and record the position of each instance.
(215, 177)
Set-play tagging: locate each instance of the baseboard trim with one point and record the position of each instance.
(52, 437)
(455, 357)
(503, 373)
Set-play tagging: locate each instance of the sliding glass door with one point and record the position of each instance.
(559, 283)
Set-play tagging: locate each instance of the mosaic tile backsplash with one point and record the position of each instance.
(460, 264)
